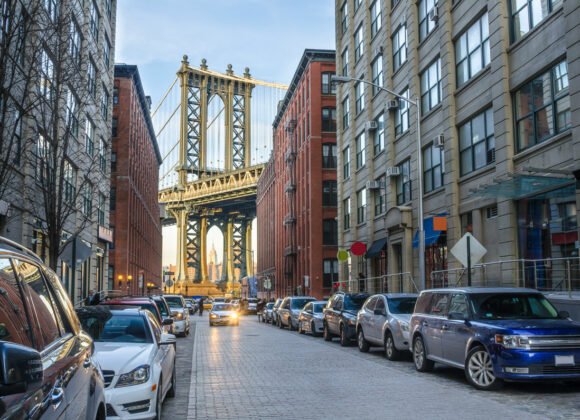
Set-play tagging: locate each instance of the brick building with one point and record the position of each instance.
(303, 190)
(135, 257)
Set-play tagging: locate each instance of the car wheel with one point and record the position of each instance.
(171, 391)
(326, 333)
(344, 341)
(290, 325)
(363, 344)
(422, 364)
(280, 325)
(391, 351)
(313, 330)
(158, 402)
(479, 370)
(211, 324)
(300, 329)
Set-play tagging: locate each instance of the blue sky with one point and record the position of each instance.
(269, 36)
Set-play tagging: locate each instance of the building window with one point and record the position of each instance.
(543, 107)
(115, 96)
(477, 142)
(357, 4)
(345, 113)
(89, 137)
(399, 47)
(358, 43)
(51, 9)
(402, 115)
(528, 13)
(431, 86)
(379, 135)
(329, 156)
(107, 52)
(92, 78)
(377, 74)
(329, 119)
(113, 199)
(379, 197)
(472, 50)
(75, 43)
(109, 8)
(433, 168)
(43, 168)
(329, 195)
(71, 113)
(94, 20)
(102, 155)
(404, 183)
(344, 58)
(115, 125)
(376, 17)
(359, 91)
(87, 198)
(329, 232)
(344, 17)
(70, 181)
(328, 88)
(360, 150)
(101, 210)
(105, 103)
(46, 75)
(426, 25)
(330, 272)
(361, 206)
(346, 163)
(346, 213)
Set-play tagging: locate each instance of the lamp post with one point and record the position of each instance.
(417, 104)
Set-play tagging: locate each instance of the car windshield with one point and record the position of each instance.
(354, 303)
(318, 307)
(270, 305)
(222, 307)
(512, 306)
(404, 305)
(299, 303)
(116, 328)
(162, 308)
(174, 302)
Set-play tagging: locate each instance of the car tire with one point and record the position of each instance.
(422, 364)
(313, 330)
(158, 402)
(326, 334)
(280, 325)
(344, 341)
(211, 324)
(300, 329)
(479, 370)
(171, 391)
(391, 351)
(363, 344)
(290, 325)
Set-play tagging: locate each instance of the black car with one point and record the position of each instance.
(340, 316)
(46, 360)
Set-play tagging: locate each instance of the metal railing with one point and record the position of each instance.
(388, 283)
(550, 274)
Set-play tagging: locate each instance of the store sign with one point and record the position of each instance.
(105, 234)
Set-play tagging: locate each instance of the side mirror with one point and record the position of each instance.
(378, 312)
(167, 339)
(167, 321)
(20, 369)
(457, 316)
(564, 314)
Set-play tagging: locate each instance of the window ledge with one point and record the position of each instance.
(431, 111)
(479, 75)
(382, 152)
(360, 169)
(400, 67)
(434, 192)
(429, 35)
(360, 225)
(400, 136)
(455, 5)
(531, 150)
(395, 6)
(552, 16)
(477, 173)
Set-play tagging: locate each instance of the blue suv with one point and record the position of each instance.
(495, 334)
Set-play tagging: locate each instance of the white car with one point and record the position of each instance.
(137, 360)
(180, 314)
(223, 314)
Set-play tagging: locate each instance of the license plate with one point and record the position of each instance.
(565, 361)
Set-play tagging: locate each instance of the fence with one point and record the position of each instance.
(388, 283)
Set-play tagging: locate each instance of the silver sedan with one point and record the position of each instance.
(310, 318)
(384, 321)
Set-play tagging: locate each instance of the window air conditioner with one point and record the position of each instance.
(439, 141)
(373, 185)
(392, 105)
(434, 14)
(393, 171)
(371, 125)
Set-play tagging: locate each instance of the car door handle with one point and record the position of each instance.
(57, 396)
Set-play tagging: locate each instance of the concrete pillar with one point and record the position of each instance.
(203, 248)
(230, 252)
(182, 168)
(181, 215)
(248, 242)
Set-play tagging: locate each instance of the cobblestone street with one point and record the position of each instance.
(258, 371)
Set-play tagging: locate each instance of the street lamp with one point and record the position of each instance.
(417, 104)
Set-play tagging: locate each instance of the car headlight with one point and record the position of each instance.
(137, 376)
(179, 315)
(513, 341)
(404, 326)
(234, 315)
(213, 316)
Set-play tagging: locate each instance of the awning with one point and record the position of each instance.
(431, 235)
(517, 186)
(82, 252)
(376, 248)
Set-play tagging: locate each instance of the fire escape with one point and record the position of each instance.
(290, 251)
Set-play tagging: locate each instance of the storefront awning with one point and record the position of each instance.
(77, 247)
(376, 248)
(432, 231)
(517, 186)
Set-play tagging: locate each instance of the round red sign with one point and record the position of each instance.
(358, 248)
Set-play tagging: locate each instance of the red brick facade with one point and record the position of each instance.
(290, 208)
(135, 258)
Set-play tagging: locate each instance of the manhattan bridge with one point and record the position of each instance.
(215, 134)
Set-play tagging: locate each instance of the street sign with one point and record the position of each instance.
(460, 250)
(169, 283)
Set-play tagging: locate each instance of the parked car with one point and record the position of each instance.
(268, 312)
(310, 318)
(495, 334)
(191, 306)
(384, 321)
(137, 358)
(290, 309)
(223, 314)
(143, 302)
(180, 314)
(165, 312)
(252, 306)
(275, 311)
(339, 317)
(41, 342)
(236, 304)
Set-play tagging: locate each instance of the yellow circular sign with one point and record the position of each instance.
(342, 255)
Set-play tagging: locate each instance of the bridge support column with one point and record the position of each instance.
(180, 215)
(230, 252)
(203, 248)
(249, 253)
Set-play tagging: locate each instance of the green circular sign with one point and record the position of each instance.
(342, 255)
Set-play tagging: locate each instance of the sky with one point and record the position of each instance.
(268, 36)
